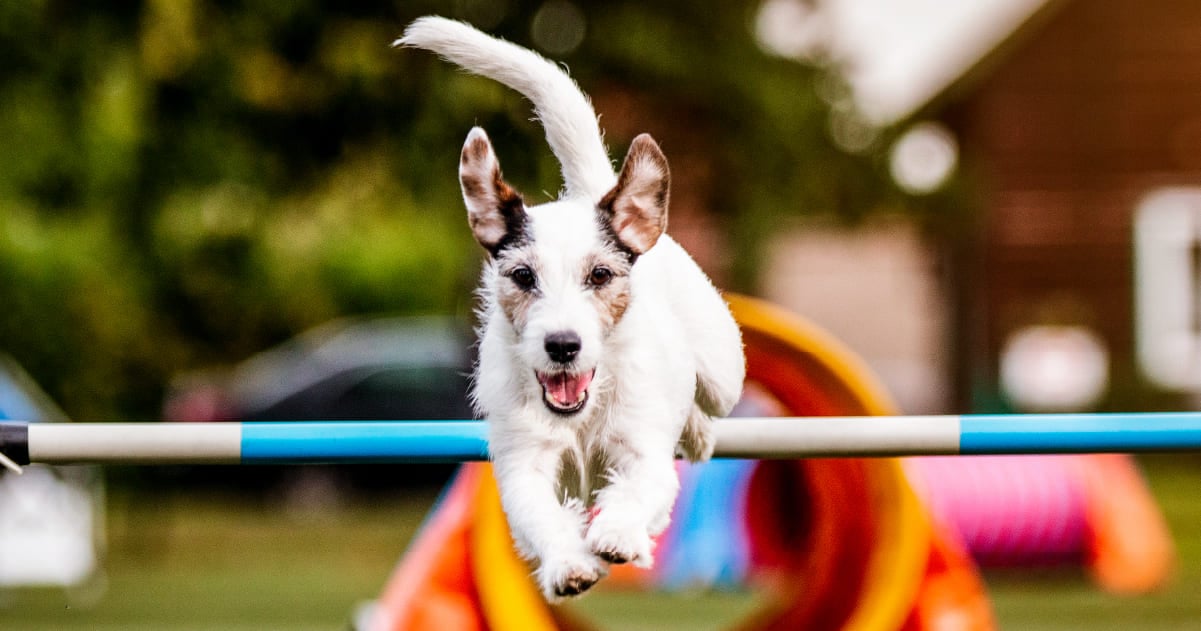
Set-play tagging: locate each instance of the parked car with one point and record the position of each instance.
(390, 368)
(348, 369)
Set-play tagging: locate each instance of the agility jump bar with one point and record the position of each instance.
(338, 442)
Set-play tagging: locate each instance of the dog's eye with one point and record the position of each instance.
(600, 276)
(523, 277)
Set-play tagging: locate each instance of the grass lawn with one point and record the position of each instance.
(222, 563)
(192, 563)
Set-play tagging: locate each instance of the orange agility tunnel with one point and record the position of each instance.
(834, 543)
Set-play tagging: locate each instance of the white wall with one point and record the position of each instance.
(876, 288)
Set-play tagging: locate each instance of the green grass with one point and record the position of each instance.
(184, 564)
(214, 563)
(636, 611)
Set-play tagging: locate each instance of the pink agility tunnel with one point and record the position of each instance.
(1088, 510)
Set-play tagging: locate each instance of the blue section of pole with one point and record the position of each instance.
(1079, 433)
(335, 442)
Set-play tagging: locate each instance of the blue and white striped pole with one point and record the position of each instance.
(305, 442)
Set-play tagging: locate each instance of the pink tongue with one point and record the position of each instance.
(566, 388)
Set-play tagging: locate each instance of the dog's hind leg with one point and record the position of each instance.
(697, 440)
(708, 326)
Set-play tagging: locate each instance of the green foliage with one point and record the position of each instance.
(185, 182)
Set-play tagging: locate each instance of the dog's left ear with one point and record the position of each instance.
(636, 209)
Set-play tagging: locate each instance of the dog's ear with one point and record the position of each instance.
(636, 209)
(495, 211)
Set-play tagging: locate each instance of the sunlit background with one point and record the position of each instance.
(996, 203)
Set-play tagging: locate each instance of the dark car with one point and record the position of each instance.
(348, 369)
(388, 368)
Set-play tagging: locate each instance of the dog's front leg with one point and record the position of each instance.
(636, 503)
(547, 526)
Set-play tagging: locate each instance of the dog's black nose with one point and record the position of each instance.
(562, 346)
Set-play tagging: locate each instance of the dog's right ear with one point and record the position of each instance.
(495, 211)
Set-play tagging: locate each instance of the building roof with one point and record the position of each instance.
(897, 55)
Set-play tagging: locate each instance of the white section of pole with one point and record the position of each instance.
(135, 443)
(784, 438)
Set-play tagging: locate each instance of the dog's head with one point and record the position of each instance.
(562, 269)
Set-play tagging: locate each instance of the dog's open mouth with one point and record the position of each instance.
(565, 392)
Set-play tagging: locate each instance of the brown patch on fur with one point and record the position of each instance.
(612, 299)
(514, 301)
(477, 150)
(515, 304)
(506, 195)
(472, 187)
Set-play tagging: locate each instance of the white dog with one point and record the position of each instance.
(604, 350)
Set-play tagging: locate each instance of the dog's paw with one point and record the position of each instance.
(618, 542)
(569, 577)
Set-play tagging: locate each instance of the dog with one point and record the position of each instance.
(604, 350)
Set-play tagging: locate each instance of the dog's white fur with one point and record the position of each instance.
(585, 487)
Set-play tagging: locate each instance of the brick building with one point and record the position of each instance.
(1084, 113)
(1068, 116)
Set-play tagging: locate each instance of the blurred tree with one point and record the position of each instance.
(188, 181)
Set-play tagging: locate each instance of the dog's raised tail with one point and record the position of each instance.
(570, 122)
